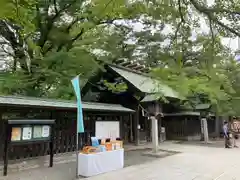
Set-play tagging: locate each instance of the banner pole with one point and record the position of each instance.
(80, 125)
(77, 151)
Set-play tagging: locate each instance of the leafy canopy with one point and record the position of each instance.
(52, 41)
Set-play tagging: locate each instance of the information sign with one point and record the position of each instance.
(16, 134)
(20, 132)
(45, 131)
(27, 133)
(37, 132)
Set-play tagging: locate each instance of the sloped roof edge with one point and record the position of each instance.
(53, 103)
(144, 82)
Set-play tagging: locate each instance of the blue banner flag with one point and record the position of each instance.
(76, 86)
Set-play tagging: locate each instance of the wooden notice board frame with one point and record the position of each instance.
(23, 125)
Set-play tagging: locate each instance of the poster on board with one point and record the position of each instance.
(107, 129)
(27, 133)
(16, 134)
(37, 131)
(45, 131)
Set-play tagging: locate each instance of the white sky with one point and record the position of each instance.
(232, 43)
(229, 42)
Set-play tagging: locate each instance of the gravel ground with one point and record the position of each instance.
(214, 144)
(67, 171)
(136, 157)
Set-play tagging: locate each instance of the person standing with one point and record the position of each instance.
(226, 134)
(234, 129)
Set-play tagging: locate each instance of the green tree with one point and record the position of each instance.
(56, 40)
(53, 40)
(196, 66)
(190, 60)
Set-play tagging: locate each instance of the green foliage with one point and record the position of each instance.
(193, 66)
(200, 78)
(116, 87)
(20, 12)
(57, 40)
(60, 39)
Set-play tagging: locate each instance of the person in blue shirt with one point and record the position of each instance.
(226, 134)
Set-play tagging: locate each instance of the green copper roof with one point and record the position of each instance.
(150, 98)
(146, 84)
(50, 103)
(202, 106)
(183, 113)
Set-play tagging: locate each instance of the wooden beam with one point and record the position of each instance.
(125, 63)
(146, 70)
(140, 67)
(133, 65)
(118, 61)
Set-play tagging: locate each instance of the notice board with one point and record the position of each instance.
(107, 129)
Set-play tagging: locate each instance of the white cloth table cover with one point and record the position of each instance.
(102, 162)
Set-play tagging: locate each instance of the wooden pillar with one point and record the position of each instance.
(160, 129)
(136, 123)
(2, 129)
(202, 130)
(158, 116)
(122, 128)
(217, 125)
(94, 119)
(131, 127)
(147, 130)
(6, 149)
(186, 132)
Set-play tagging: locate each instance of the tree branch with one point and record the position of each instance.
(55, 6)
(179, 24)
(38, 17)
(217, 10)
(71, 42)
(180, 11)
(213, 39)
(209, 13)
(69, 46)
(72, 24)
(50, 23)
(226, 27)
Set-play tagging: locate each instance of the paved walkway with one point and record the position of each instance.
(194, 163)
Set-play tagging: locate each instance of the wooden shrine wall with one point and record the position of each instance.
(179, 128)
(64, 130)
